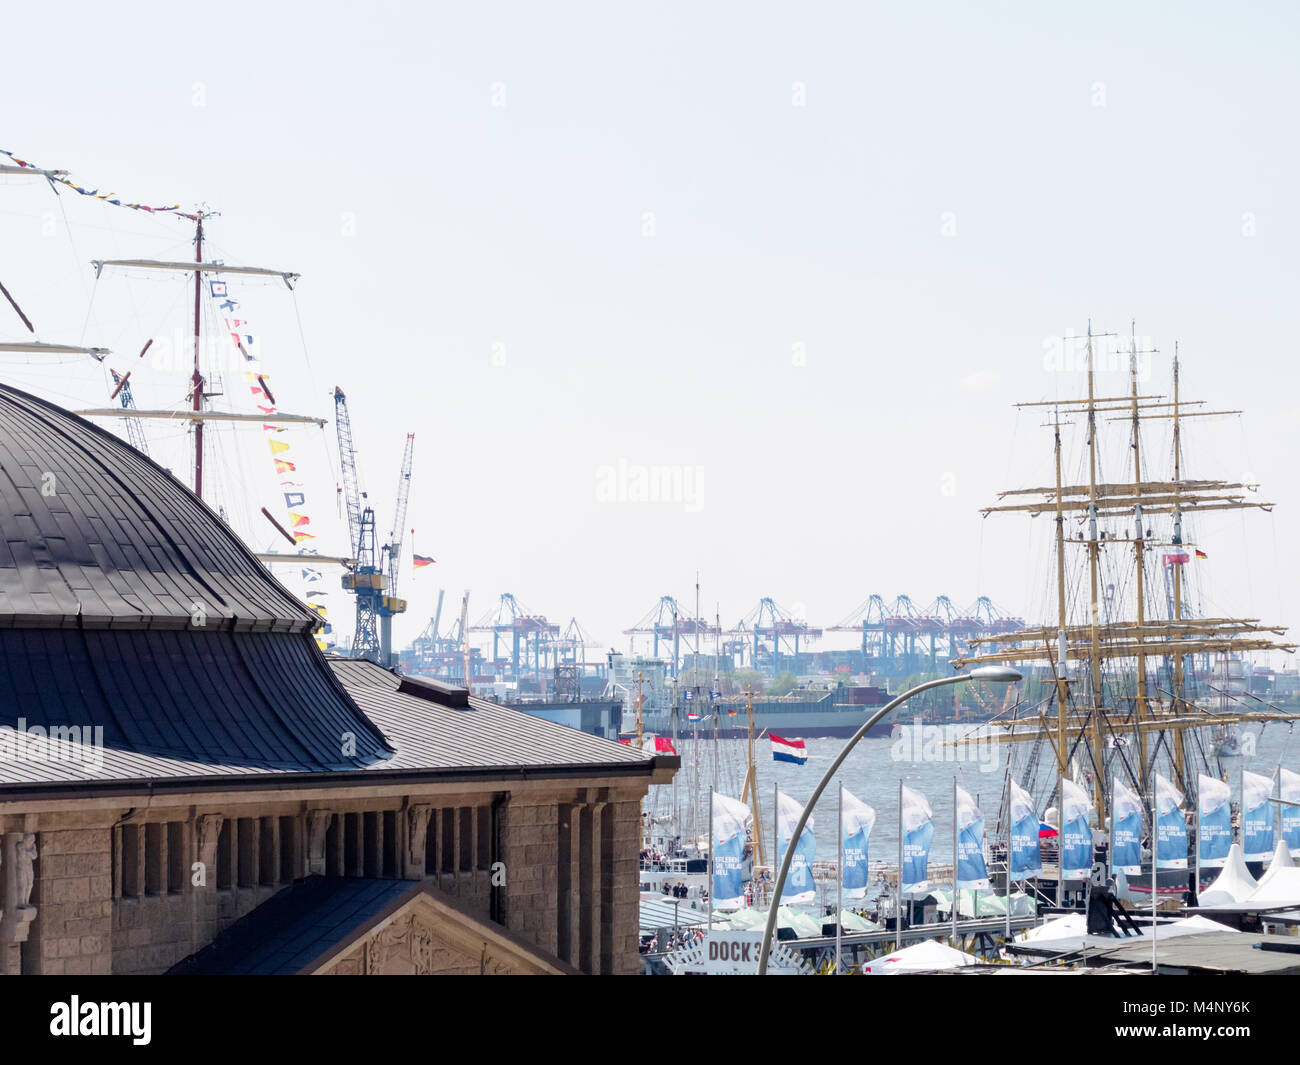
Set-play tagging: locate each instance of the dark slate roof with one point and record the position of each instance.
(428, 737)
(295, 926)
(247, 701)
(437, 731)
(106, 561)
(114, 540)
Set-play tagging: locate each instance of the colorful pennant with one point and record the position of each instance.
(52, 177)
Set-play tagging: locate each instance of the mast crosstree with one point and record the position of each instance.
(1111, 695)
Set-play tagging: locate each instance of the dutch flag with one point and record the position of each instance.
(788, 750)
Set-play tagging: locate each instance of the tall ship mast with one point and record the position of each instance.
(1127, 663)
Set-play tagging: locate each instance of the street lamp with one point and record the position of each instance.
(991, 674)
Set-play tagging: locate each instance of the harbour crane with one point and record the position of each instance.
(390, 604)
(531, 636)
(134, 430)
(666, 621)
(772, 621)
(368, 581)
(464, 641)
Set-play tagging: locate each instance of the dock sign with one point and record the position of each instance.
(735, 953)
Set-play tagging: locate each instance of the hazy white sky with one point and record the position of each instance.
(804, 257)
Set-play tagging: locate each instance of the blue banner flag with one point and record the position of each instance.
(1026, 857)
(728, 843)
(1126, 809)
(1171, 826)
(1291, 814)
(972, 874)
(917, 824)
(1076, 834)
(1257, 818)
(799, 886)
(856, 823)
(1213, 822)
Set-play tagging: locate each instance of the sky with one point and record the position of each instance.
(747, 290)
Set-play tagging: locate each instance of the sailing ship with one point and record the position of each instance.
(1129, 675)
(221, 470)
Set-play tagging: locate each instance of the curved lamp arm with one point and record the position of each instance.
(989, 673)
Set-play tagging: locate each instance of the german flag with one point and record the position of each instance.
(1201, 554)
(422, 560)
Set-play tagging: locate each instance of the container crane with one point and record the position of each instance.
(390, 604)
(531, 636)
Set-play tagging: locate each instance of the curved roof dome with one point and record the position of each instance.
(96, 534)
(126, 603)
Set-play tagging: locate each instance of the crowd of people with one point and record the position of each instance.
(676, 939)
(683, 891)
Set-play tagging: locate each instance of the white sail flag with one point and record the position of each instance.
(916, 823)
(730, 817)
(972, 874)
(1126, 812)
(799, 886)
(1256, 817)
(1214, 822)
(856, 822)
(1291, 814)
(1026, 856)
(1171, 827)
(1076, 835)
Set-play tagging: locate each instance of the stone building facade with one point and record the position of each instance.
(140, 883)
(188, 784)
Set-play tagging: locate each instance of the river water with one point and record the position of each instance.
(872, 773)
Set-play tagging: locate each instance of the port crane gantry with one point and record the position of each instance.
(374, 588)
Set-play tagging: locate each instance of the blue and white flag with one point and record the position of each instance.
(916, 821)
(1257, 818)
(1076, 835)
(1171, 826)
(784, 750)
(729, 819)
(856, 822)
(972, 874)
(1126, 812)
(799, 886)
(1291, 814)
(1026, 857)
(1214, 822)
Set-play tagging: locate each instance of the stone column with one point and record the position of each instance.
(417, 834)
(204, 902)
(17, 876)
(318, 823)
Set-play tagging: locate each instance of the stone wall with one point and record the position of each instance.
(114, 886)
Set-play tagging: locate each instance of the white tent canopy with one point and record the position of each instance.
(1237, 891)
(990, 905)
(1232, 885)
(1071, 933)
(925, 957)
(1280, 886)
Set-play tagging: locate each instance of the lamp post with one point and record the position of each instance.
(993, 674)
